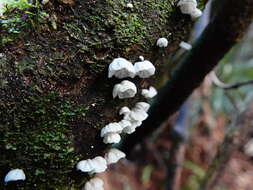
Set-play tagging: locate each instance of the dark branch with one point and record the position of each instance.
(227, 26)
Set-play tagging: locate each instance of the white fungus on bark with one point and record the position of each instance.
(124, 110)
(189, 7)
(111, 128)
(129, 5)
(142, 105)
(124, 123)
(125, 89)
(121, 68)
(144, 69)
(185, 45)
(149, 93)
(111, 138)
(15, 175)
(114, 155)
(162, 42)
(95, 165)
(94, 184)
(141, 58)
(196, 13)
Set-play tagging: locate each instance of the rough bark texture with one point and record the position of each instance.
(54, 92)
(225, 29)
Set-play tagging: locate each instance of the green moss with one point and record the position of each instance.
(39, 138)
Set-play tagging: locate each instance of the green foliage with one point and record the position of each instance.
(20, 16)
(196, 178)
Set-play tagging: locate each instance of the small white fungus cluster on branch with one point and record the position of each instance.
(14, 175)
(94, 184)
(122, 68)
(189, 7)
(149, 93)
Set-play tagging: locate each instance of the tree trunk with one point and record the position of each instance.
(54, 92)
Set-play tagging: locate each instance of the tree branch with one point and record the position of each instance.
(223, 31)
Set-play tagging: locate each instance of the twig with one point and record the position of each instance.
(227, 86)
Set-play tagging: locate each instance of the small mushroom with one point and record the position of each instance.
(94, 184)
(111, 128)
(111, 138)
(141, 58)
(136, 115)
(196, 13)
(99, 164)
(121, 68)
(162, 42)
(144, 69)
(125, 89)
(124, 110)
(187, 6)
(114, 155)
(129, 129)
(149, 93)
(15, 175)
(124, 123)
(129, 5)
(142, 105)
(95, 165)
(85, 165)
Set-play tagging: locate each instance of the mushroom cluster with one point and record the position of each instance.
(189, 7)
(132, 118)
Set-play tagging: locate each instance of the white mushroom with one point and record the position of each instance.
(99, 164)
(111, 128)
(95, 165)
(85, 165)
(121, 68)
(124, 123)
(129, 5)
(14, 175)
(141, 58)
(185, 45)
(162, 42)
(196, 13)
(142, 105)
(110, 138)
(114, 155)
(129, 130)
(149, 93)
(144, 69)
(136, 115)
(124, 110)
(187, 6)
(125, 89)
(94, 184)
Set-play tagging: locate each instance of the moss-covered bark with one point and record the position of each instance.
(54, 91)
